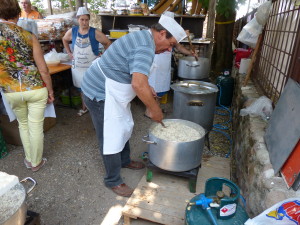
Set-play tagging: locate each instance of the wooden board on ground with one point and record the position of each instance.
(164, 199)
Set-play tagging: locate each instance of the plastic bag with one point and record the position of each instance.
(63, 57)
(286, 212)
(250, 32)
(263, 12)
(52, 56)
(260, 107)
(29, 25)
(53, 29)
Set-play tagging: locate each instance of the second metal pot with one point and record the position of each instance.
(195, 101)
(172, 155)
(189, 68)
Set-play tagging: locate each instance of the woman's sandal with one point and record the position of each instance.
(82, 112)
(38, 167)
(27, 164)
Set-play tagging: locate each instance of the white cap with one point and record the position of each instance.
(169, 14)
(82, 11)
(168, 22)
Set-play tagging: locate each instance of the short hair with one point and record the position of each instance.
(158, 27)
(9, 9)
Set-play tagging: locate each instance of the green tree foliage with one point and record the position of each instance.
(224, 7)
(225, 16)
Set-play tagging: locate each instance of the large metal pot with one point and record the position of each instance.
(172, 155)
(195, 101)
(13, 208)
(189, 68)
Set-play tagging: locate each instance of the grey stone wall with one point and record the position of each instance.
(253, 170)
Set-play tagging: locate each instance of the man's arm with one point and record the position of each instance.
(100, 37)
(183, 50)
(143, 90)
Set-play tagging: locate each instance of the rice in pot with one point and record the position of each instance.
(176, 131)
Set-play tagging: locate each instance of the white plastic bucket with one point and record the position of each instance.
(244, 65)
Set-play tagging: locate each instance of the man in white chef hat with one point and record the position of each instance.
(160, 73)
(113, 81)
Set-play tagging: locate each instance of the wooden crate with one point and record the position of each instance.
(164, 199)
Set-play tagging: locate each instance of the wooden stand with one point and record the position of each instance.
(164, 199)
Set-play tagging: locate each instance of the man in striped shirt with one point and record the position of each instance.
(113, 80)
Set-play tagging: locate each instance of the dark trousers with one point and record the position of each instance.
(114, 162)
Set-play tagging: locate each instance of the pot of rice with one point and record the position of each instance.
(178, 147)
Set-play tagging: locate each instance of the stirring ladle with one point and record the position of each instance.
(164, 126)
(192, 47)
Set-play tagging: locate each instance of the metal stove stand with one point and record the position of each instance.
(190, 174)
(32, 218)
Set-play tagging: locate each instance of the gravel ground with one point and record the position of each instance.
(70, 189)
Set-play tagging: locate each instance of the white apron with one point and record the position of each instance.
(118, 122)
(83, 57)
(160, 73)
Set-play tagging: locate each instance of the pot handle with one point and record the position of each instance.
(192, 65)
(195, 103)
(148, 141)
(32, 180)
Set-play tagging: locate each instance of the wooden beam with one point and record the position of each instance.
(173, 5)
(198, 9)
(158, 5)
(194, 5)
(253, 59)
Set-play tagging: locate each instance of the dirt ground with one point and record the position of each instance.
(70, 188)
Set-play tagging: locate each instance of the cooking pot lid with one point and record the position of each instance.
(194, 87)
(11, 201)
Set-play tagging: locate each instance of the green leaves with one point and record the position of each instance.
(224, 7)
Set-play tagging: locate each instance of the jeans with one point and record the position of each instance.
(29, 108)
(114, 162)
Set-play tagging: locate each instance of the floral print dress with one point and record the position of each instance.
(18, 71)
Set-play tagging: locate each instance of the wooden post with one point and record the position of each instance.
(253, 58)
(211, 19)
(50, 7)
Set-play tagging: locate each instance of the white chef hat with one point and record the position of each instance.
(168, 22)
(82, 11)
(169, 14)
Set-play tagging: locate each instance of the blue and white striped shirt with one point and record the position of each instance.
(131, 53)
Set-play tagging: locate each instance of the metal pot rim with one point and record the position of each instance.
(195, 87)
(186, 122)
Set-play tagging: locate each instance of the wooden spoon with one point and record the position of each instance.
(192, 47)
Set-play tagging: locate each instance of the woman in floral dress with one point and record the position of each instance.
(25, 81)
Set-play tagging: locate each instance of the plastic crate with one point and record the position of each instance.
(117, 33)
(3, 149)
(76, 100)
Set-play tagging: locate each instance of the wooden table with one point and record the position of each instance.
(59, 68)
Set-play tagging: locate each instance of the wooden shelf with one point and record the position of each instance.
(192, 23)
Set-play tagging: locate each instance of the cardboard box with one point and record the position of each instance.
(10, 130)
